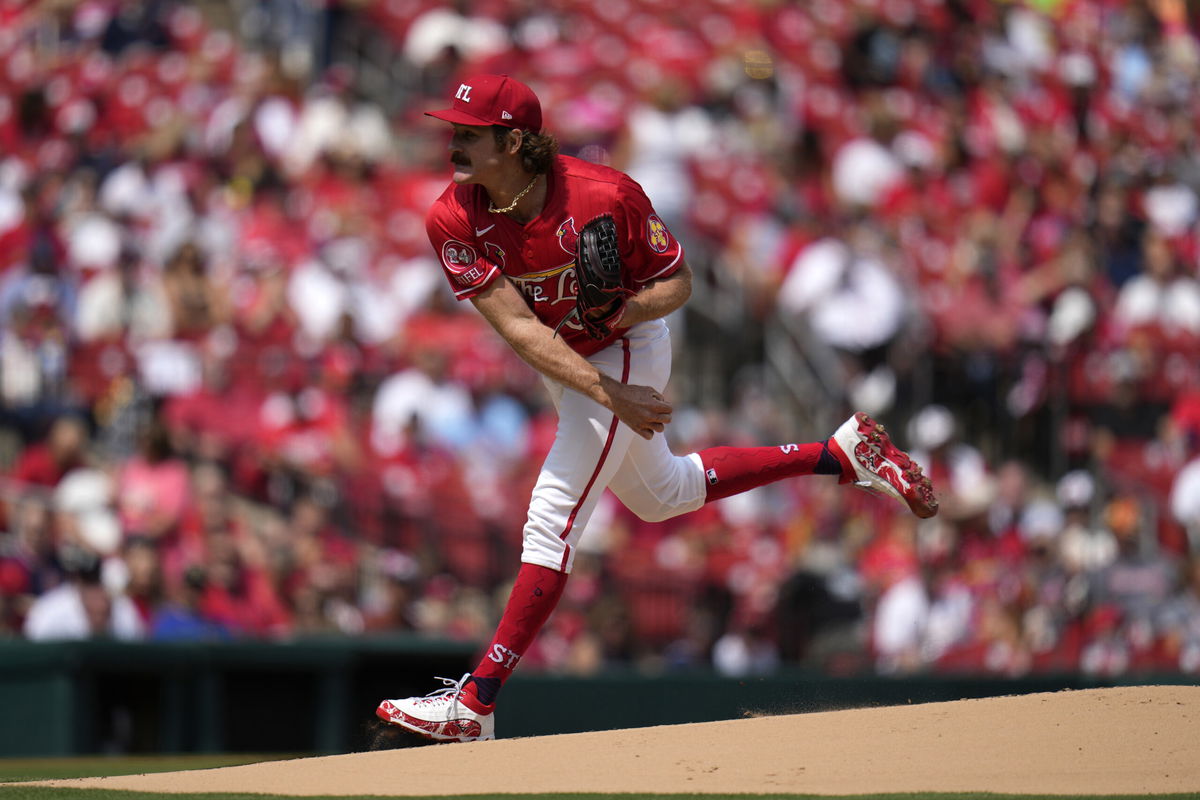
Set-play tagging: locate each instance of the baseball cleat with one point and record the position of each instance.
(883, 468)
(446, 715)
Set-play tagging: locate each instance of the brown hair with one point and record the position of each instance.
(537, 149)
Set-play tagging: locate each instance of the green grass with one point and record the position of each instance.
(38, 769)
(18, 792)
(21, 792)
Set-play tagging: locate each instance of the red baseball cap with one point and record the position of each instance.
(493, 100)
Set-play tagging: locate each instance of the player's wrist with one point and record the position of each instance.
(626, 316)
(601, 390)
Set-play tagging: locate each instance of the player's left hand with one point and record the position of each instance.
(600, 296)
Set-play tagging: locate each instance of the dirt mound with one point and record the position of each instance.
(1100, 741)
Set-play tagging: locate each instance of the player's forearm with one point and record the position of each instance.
(659, 298)
(537, 345)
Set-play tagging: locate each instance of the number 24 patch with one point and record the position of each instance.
(458, 254)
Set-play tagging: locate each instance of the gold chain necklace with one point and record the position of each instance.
(492, 206)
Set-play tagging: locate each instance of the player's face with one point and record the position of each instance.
(474, 154)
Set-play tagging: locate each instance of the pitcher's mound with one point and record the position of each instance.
(1102, 741)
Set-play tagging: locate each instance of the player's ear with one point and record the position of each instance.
(516, 138)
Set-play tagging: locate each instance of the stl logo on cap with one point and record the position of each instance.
(493, 100)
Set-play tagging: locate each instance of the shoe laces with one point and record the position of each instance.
(450, 693)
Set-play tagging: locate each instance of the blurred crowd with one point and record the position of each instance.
(237, 399)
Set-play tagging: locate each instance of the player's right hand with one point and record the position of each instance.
(642, 408)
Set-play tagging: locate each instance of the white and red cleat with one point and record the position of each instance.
(446, 715)
(881, 467)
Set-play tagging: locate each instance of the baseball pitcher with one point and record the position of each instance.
(569, 263)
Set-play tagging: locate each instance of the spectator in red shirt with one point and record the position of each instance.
(239, 593)
(143, 585)
(45, 463)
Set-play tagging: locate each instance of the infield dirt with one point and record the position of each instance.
(1129, 740)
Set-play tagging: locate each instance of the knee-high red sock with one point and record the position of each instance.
(534, 597)
(733, 470)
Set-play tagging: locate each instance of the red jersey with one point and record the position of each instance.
(476, 246)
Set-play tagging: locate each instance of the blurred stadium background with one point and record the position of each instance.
(238, 404)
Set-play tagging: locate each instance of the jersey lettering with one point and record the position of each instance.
(568, 286)
(789, 448)
(470, 276)
(535, 292)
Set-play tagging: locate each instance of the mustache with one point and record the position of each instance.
(460, 161)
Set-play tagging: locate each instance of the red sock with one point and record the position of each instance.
(533, 598)
(733, 470)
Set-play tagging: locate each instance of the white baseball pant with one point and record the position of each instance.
(593, 450)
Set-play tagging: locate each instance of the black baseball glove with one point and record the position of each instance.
(601, 296)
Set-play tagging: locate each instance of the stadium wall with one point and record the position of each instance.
(96, 697)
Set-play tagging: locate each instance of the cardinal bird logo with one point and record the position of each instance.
(568, 237)
(495, 254)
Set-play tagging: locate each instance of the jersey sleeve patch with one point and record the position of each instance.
(465, 270)
(657, 235)
(457, 255)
